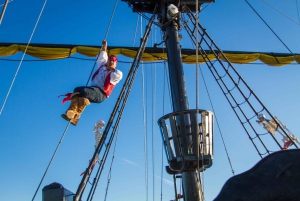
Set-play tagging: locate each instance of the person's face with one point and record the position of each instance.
(112, 63)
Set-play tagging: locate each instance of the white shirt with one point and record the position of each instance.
(102, 74)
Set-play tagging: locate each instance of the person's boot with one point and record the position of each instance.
(82, 103)
(72, 110)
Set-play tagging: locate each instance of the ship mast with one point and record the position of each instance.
(190, 180)
(181, 129)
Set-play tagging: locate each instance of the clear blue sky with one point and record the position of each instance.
(31, 126)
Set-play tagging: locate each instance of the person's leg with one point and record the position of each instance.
(87, 95)
(94, 94)
(82, 103)
(72, 110)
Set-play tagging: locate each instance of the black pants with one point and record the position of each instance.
(94, 94)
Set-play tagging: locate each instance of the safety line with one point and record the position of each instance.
(22, 57)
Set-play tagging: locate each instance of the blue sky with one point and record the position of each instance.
(31, 126)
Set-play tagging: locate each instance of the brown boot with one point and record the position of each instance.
(72, 110)
(82, 103)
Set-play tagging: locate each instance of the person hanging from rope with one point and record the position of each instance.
(103, 81)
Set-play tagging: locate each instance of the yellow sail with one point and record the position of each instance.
(51, 52)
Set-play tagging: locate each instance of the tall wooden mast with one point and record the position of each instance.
(180, 129)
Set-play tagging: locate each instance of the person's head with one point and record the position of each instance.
(112, 61)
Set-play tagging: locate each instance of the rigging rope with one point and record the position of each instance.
(273, 31)
(111, 17)
(11, 85)
(297, 10)
(201, 182)
(60, 141)
(153, 132)
(206, 7)
(282, 12)
(162, 148)
(153, 79)
(208, 94)
(110, 168)
(145, 133)
(172, 107)
(161, 173)
(107, 30)
(3, 10)
(145, 130)
(142, 14)
(145, 124)
(197, 91)
(8, 2)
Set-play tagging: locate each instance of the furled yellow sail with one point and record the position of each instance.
(51, 52)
